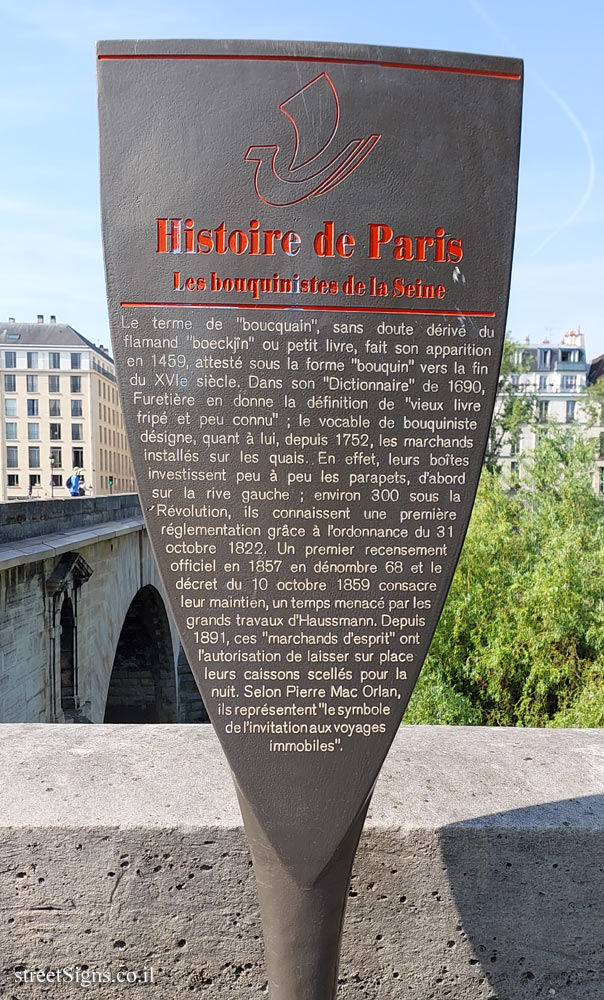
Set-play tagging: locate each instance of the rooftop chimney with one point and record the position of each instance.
(40, 317)
(11, 319)
(53, 319)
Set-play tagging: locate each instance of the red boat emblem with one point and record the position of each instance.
(314, 168)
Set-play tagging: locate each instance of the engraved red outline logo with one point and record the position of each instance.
(278, 183)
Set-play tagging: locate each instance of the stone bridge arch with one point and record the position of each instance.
(81, 606)
(143, 683)
(122, 606)
(114, 646)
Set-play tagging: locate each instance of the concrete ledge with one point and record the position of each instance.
(22, 519)
(479, 875)
(31, 550)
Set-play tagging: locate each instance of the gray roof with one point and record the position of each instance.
(45, 335)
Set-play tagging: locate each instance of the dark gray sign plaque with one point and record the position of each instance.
(308, 252)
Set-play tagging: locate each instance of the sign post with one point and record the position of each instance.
(308, 251)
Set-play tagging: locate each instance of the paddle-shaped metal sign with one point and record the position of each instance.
(308, 253)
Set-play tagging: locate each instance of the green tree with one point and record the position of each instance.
(592, 403)
(521, 638)
(514, 408)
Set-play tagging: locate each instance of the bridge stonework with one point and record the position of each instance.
(85, 634)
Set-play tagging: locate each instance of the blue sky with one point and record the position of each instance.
(50, 241)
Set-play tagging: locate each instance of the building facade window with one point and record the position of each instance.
(32, 359)
(543, 382)
(57, 480)
(542, 409)
(34, 458)
(56, 454)
(570, 410)
(569, 383)
(569, 356)
(54, 407)
(54, 359)
(76, 407)
(76, 432)
(54, 383)
(77, 457)
(55, 432)
(34, 480)
(10, 359)
(12, 457)
(10, 407)
(545, 358)
(32, 383)
(76, 383)
(10, 383)
(10, 431)
(32, 408)
(13, 479)
(33, 432)
(76, 360)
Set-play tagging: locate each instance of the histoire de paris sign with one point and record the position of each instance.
(308, 251)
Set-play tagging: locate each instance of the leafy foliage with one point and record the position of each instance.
(514, 408)
(592, 401)
(521, 638)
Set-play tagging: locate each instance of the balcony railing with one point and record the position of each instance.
(554, 390)
(103, 371)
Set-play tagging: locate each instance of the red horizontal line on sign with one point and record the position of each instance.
(345, 309)
(315, 59)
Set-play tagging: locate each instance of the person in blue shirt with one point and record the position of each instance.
(73, 483)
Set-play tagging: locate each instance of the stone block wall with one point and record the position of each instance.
(32, 518)
(24, 642)
(478, 876)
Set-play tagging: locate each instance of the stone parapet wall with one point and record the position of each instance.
(32, 518)
(478, 877)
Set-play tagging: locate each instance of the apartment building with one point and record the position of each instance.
(60, 411)
(555, 376)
